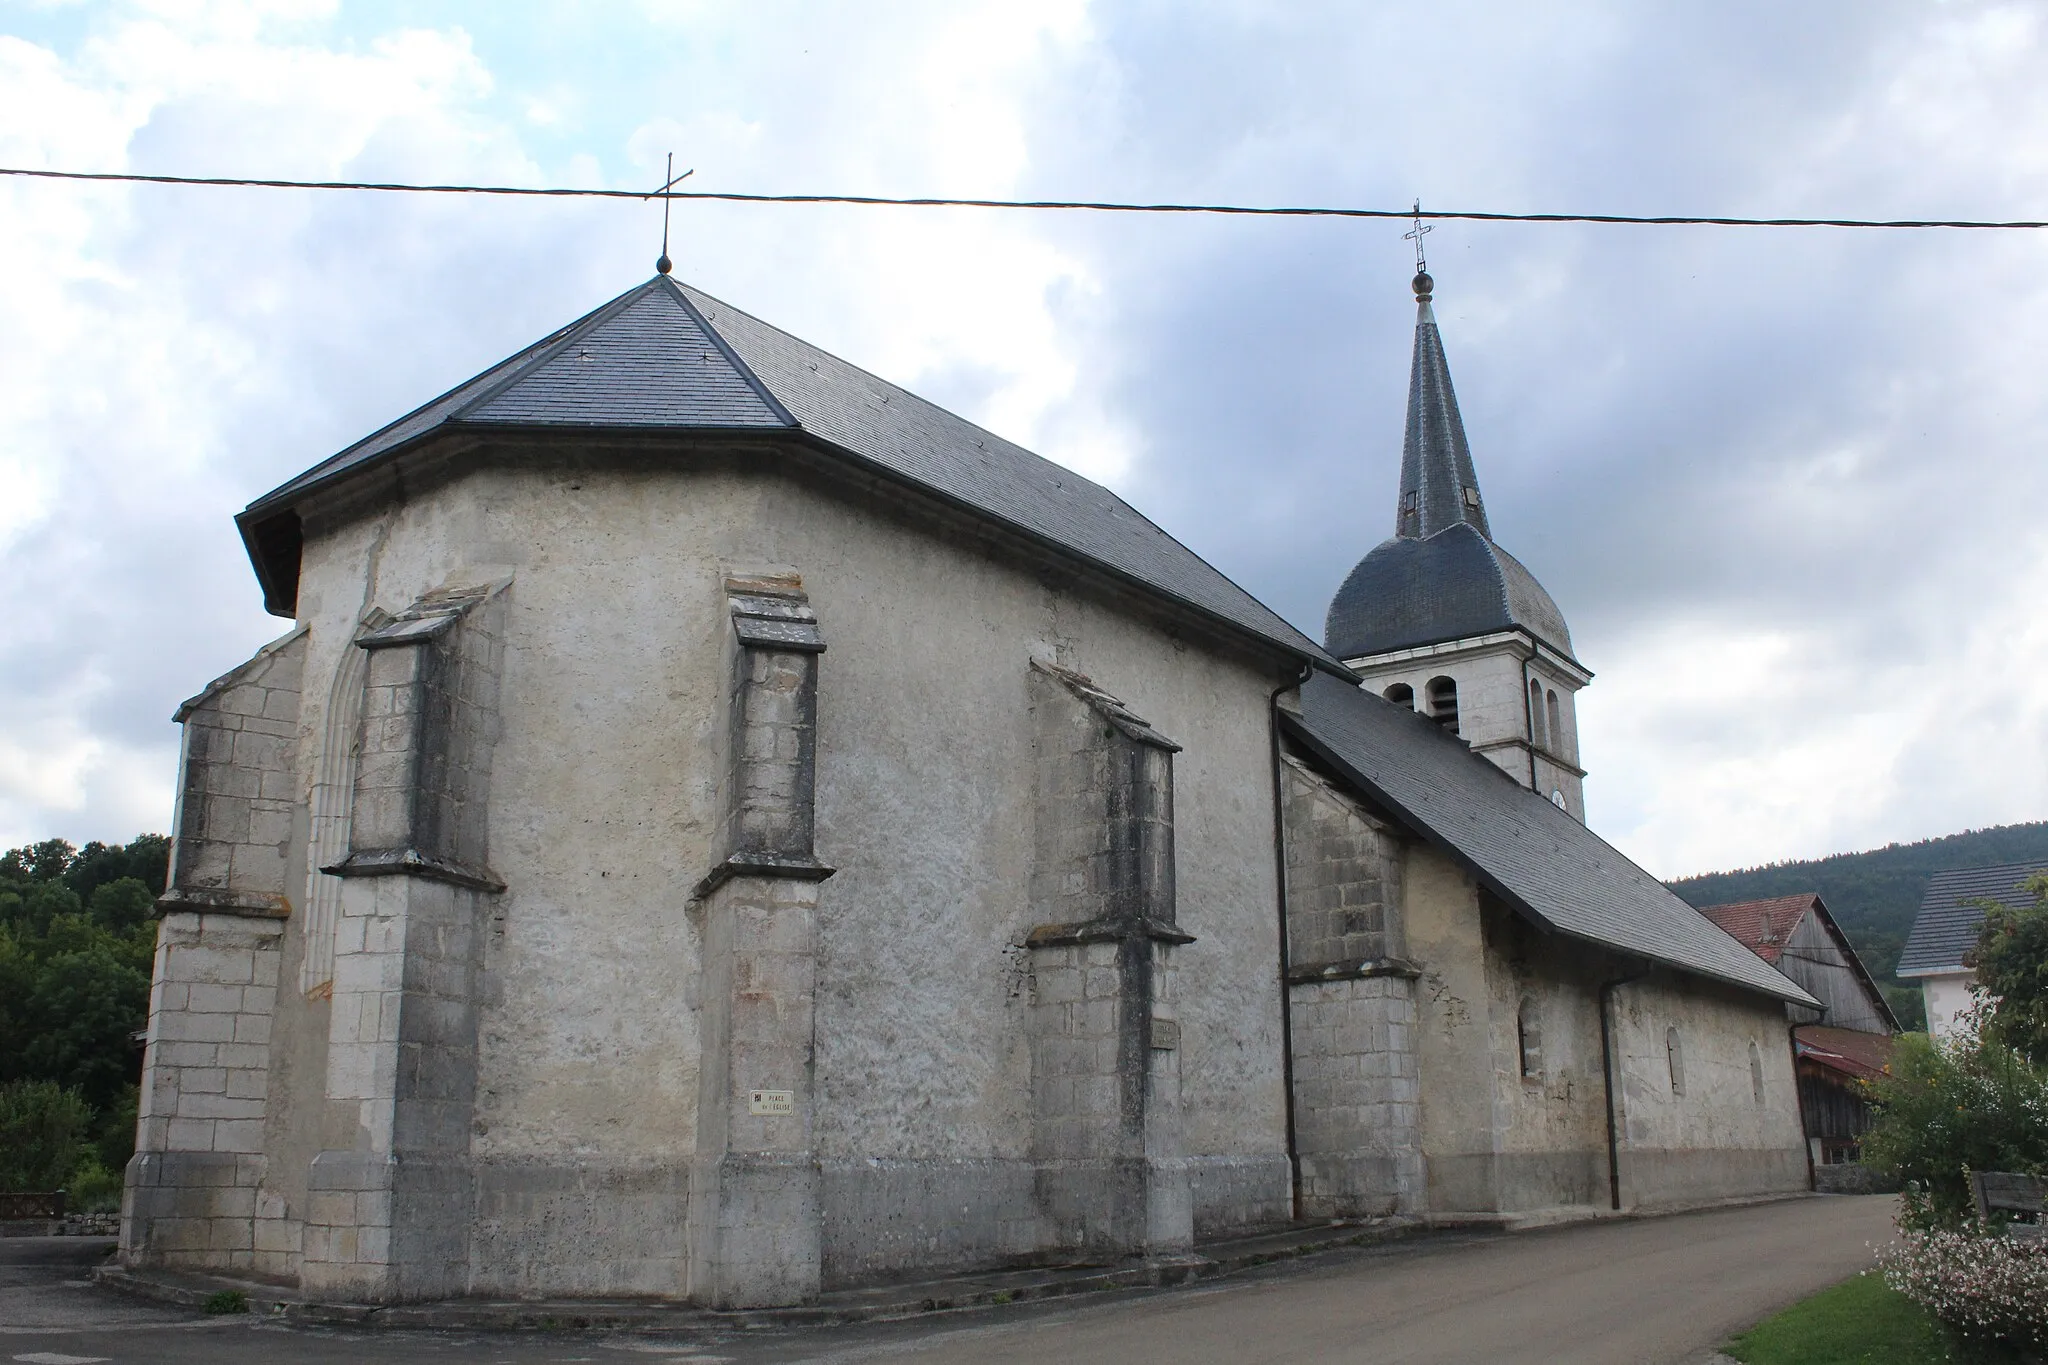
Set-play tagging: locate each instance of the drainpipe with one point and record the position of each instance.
(1607, 990)
(1280, 882)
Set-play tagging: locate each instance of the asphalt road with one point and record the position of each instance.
(1649, 1292)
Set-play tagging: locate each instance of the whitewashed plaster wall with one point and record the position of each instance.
(603, 816)
(1949, 999)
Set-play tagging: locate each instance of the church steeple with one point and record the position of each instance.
(1441, 619)
(1439, 487)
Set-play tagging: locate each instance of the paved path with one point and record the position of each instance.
(1658, 1291)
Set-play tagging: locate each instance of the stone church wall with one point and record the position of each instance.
(1513, 1087)
(1730, 1124)
(606, 811)
(1357, 1093)
(195, 1188)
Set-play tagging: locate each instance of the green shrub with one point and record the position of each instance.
(227, 1301)
(92, 1189)
(116, 1139)
(1946, 1109)
(44, 1134)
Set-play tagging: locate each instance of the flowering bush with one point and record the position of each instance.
(1946, 1109)
(1991, 1291)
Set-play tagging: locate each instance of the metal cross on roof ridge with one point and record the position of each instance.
(1415, 235)
(662, 264)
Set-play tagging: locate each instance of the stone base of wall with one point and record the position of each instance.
(383, 1229)
(1237, 1194)
(205, 1211)
(886, 1218)
(1653, 1177)
(591, 1230)
(1853, 1177)
(1514, 1182)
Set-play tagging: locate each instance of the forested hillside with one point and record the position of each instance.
(1875, 895)
(77, 934)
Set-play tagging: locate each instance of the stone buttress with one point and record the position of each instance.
(1351, 995)
(388, 1217)
(1105, 1045)
(194, 1194)
(755, 1217)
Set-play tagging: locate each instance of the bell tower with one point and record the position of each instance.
(1442, 619)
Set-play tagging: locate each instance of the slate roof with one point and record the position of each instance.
(1452, 586)
(1856, 1054)
(1542, 862)
(1439, 486)
(1946, 928)
(1440, 577)
(664, 357)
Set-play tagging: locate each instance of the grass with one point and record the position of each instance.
(227, 1301)
(1859, 1322)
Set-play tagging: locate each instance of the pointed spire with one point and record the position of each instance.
(1439, 487)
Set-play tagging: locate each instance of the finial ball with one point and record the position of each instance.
(663, 264)
(1424, 285)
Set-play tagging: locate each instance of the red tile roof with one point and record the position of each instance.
(1763, 926)
(1847, 1050)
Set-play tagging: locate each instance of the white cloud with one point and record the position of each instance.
(1782, 484)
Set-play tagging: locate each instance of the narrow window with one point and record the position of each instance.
(1401, 694)
(1530, 1036)
(1536, 713)
(1443, 703)
(1556, 730)
(1756, 1073)
(1674, 1056)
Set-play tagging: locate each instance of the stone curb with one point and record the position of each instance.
(839, 1308)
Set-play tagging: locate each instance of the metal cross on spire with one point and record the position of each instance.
(1424, 285)
(1415, 235)
(662, 263)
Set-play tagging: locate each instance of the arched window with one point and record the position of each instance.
(1756, 1072)
(1443, 703)
(1674, 1057)
(1536, 713)
(1556, 730)
(1401, 694)
(1529, 1033)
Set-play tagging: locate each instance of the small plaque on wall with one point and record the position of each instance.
(1165, 1034)
(772, 1103)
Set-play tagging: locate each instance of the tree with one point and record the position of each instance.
(43, 1135)
(1946, 1109)
(2012, 969)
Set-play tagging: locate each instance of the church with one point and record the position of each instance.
(721, 828)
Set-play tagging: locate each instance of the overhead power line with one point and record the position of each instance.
(1095, 206)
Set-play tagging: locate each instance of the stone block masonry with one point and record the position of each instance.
(1105, 1045)
(389, 1217)
(238, 786)
(755, 1219)
(1351, 993)
(193, 1192)
(192, 1186)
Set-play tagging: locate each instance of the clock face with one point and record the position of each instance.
(1557, 797)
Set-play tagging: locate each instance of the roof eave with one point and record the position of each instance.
(1300, 733)
(1314, 655)
(1538, 645)
(281, 599)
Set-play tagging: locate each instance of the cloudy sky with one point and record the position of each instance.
(1787, 485)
